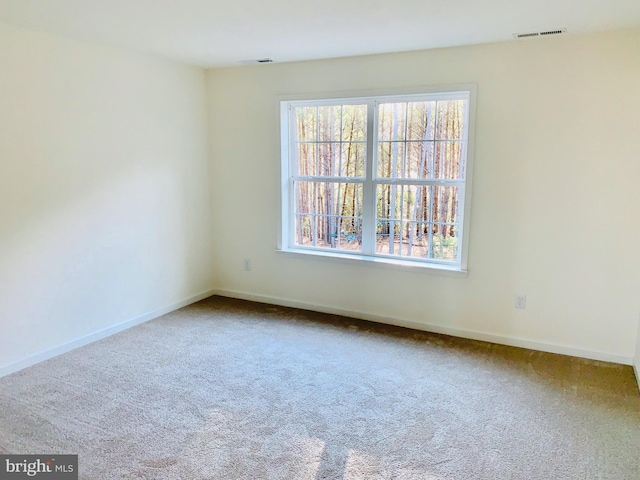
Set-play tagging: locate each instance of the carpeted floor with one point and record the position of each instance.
(226, 389)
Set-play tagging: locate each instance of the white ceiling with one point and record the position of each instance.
(223, 32)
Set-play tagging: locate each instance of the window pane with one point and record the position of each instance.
(328, 159)
(307, 159)
(388, 237)
(420, 160)
(445, 204)
(406, 141)
(305, 197)
(329, 123)
(416, 239)
(327, 231)
(328, 214)
(445, 242)
(409, 239)
(331, 140)
(420, 156)
(386, 201)
(421, 120)
(450, 119)
(447, 162)
(354, 123)
(331, 159)
(392, 121)
(349, 235)
(408, 217)
(304, 230)
(391, 159)
(352, 159)
(306, 123)
(403, 202)
(402, 215)
(328, 198)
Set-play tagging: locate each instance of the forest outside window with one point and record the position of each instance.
(378, 177)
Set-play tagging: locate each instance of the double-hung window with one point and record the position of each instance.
(383, 177)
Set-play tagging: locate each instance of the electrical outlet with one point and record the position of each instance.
(520, 301)
(247, 264)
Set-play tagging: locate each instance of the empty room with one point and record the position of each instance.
(339, 241)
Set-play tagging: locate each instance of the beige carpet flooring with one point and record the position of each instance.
(226, 389)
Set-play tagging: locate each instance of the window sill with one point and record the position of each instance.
(406, 265)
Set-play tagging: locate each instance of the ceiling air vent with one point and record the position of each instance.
(540, 34)
(554, 32)
(525, 35)
(259, 60)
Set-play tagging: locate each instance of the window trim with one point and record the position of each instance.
(284, 233)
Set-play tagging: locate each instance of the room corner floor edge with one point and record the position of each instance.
(455, 332)
(56, 350)
(13, 367)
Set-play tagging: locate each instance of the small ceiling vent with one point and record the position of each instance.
(525, 35)
(540, 34)
(259, 60)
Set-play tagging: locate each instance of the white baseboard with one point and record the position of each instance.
(98, 335)
(636, 368)
(456, 332)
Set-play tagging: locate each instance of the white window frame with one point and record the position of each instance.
(286, 232)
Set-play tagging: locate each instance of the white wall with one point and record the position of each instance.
(104, 189)
(555, 196)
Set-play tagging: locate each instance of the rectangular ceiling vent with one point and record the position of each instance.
(540, 34)
(554, 32)
(259, 60)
